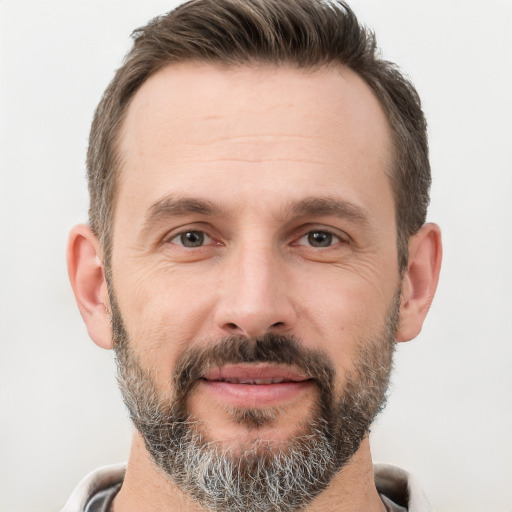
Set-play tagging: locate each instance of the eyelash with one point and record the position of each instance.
(182, 234)
(309, 236)
(331, 237)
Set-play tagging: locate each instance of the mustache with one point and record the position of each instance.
(270, 348)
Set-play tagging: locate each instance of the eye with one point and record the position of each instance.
(319, 238)
(191, 239)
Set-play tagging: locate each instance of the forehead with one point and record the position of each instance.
(251, 126)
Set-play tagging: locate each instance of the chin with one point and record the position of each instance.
(253, 429)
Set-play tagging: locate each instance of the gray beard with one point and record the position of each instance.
(262, 476)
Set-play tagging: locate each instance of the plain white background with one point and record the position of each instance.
(449, 419)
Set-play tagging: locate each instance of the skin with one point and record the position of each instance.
(257, 145)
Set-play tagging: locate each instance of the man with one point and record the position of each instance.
(257, 245)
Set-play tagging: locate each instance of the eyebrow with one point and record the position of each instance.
(179, 206)
(173, 206)
(320, 206)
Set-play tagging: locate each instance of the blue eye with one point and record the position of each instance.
(191, 239)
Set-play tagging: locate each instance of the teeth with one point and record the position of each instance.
(255, 381)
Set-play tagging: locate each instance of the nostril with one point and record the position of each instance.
(232, 326)
(277, 324)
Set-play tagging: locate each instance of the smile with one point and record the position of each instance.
(255, 385)
(258, 382)
(255, 374)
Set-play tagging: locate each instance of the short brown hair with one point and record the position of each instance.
(303, 33)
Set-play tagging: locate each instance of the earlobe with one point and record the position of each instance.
(420, 280)
(87, 276)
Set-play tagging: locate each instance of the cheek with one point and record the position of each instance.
(343, 312)
(163, 313)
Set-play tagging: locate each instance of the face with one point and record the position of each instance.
(254, 263)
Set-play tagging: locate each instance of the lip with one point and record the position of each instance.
(255, 386)
(254, 372)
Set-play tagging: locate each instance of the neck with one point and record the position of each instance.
(146, 488)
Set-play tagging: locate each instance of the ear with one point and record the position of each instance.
(87, 276)
(420, 280)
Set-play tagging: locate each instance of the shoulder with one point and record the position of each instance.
(401, 488)
(99, 482)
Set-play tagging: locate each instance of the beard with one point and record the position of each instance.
(260, 476)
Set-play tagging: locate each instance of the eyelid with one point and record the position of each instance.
(335, 239)
(207, 238)
(171, 235)
(340, 236)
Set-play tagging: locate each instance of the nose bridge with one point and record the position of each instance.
(254, 296)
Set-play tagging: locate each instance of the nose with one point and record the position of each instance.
(255, 294)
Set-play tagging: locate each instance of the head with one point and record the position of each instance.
(259, 181)
(306, 34)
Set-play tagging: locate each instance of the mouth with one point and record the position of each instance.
(254, 374)
(255, 386)
(258, 382)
